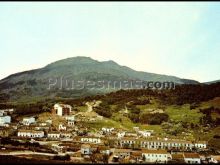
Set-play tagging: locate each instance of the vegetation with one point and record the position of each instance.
(192, 111)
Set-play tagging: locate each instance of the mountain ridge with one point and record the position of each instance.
(34, 82)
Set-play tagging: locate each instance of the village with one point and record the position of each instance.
(69, 139)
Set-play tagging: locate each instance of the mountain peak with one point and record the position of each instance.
(72, 61)
(110, 62)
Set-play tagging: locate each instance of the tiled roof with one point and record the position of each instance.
(53, 132)
(177, 156)
(136, 153)
(103, 148)
(201, 142)
(191, 155)
(117, 150)
(30, 131)
(154, 151)
(85, 146)
(216, 157)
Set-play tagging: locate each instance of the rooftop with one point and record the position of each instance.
(154, 151)
(177, 156)
(117, 150)
(191, 155)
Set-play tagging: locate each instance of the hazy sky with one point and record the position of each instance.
(181, 39)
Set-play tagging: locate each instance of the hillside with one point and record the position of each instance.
(190, 111)
(34, 84)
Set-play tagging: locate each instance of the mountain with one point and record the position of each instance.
(46, 82)
(212, 82)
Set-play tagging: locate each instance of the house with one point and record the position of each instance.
(104, 150)
(62, 127)
(49, 121)
(53, 135)
(42, 128)
(128, 141)
(86, 149)
(121, 134)
(4, 132)
(70, 120)
(30, 133)
(136, 129)
(145, 133)
(57, 147)
(131, 134)
(5, 120)
(166, 144)
(62, 109)
(14, 126)
(136, 157)
(200, 145)
(42, 124)
(4, 112)
(192, 158)
(107, 130)
(90, 139)
(1, 113)
(215, 159)
(65, 134)
(158, 156)
(122, 153)
(70, 123)
(28, 120)
(177, 158)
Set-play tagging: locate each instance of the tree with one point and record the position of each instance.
(105, 158)
(154, 118)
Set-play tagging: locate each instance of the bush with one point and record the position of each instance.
(103, 110)
(154, 119)
(65, 157)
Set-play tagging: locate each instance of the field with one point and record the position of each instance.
(178, 114)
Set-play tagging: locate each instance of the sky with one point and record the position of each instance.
(172, 38)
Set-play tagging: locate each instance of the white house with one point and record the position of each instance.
(192, 158)
(201, 145)
(4, 112)
(215, 159)
(86, 149)
(90, 139)
(66, 134)
(122, 153)
(145, 133)
(131, 134)
(104, 150)
(5, 120)
(70, 120)
(121, 134)
(130, 141)
(30, 133)
(62, 127)
(53, 135)
(166, 144)
(28, 120)
(57, 147)
(49, 121)
(107, 130)
(157, 156)
(62, 109)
